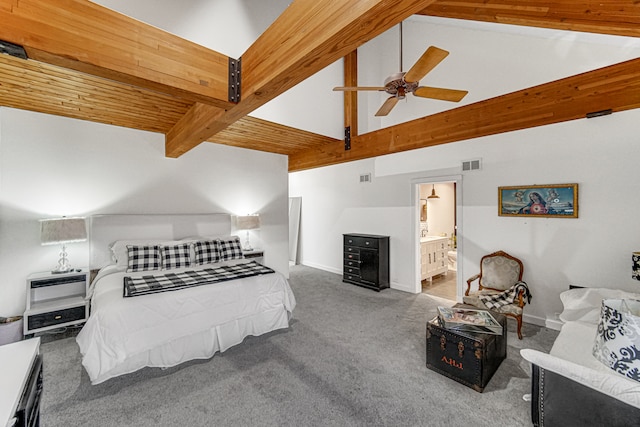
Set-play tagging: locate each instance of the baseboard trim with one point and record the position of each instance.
(393, 285)
(321, 267)
(554, 324)
(539, 321)
(401, 287)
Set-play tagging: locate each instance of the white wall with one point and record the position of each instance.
(594, 250)
(53, 166)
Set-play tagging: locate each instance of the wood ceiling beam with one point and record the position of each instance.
(308, 36)
(351, 97)
(90, 38)
(620, 18)
(616, 87)
(257, 134)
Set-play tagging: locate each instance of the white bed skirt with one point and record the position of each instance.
(200, 345)
(165, 329)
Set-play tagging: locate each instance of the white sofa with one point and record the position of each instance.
(569, 385)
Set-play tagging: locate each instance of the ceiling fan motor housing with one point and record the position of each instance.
(396, 85)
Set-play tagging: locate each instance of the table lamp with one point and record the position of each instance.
(248, 222)
(62, 231)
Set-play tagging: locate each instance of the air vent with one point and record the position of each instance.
(365, 177)
(472, 165)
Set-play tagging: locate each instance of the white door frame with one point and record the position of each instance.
(415, 191)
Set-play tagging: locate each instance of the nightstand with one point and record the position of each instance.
(255, 254)
(56, 300)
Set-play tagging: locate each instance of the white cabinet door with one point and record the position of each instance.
(433, 258)
(423, 261)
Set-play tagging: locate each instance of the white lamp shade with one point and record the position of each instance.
(62, 230)
(247, 222)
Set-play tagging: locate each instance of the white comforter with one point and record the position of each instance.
(168, 328)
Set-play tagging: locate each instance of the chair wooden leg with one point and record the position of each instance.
(519, 320)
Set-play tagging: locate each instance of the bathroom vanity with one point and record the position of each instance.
(433, 256)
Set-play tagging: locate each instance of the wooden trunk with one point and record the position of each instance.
(469, 358)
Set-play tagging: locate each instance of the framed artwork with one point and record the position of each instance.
(549, 201)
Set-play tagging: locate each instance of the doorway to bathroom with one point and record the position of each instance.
(438, 244)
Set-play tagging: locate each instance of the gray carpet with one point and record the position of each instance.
(352, 357)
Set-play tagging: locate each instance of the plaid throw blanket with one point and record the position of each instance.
(136, 286)
(506, 297)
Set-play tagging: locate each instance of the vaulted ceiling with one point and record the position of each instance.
(91, 63)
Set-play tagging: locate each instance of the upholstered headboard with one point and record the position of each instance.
(106, 229)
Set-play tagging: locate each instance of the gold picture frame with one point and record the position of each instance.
(546, 201)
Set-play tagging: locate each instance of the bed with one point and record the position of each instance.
(132, 325)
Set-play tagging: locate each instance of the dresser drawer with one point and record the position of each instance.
(363, 242)
(351, 256)
(353, 278)
(351, 270)
(352, 249)
(58, 317)
(351, 263)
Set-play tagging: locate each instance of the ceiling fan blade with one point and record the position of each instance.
(452, 95)
(427, 62)
(387, 106)
(346, 89)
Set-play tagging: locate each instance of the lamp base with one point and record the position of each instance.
(247, 243)
(63, 263)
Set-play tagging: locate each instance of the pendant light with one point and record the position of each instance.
(433, 193)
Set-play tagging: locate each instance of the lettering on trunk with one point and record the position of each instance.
(452, 362)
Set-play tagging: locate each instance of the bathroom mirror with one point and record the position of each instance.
(423, 210)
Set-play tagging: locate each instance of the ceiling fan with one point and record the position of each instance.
(399, 84)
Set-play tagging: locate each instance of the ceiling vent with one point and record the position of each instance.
(472, 165)
(365, 177)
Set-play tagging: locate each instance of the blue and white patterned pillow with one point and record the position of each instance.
(176, 256)
(617, 343)
(143, 258)
(230, 248)
(206, 252)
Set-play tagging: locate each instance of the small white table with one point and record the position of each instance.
(16, 360)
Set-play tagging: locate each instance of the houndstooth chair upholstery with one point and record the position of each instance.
(499, 271)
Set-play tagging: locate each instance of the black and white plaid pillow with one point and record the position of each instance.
(176, 256)
(230, 248)
(206, 252)
(143, 258)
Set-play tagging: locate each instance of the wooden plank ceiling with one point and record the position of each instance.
(90, 63)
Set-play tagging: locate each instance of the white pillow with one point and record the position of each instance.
(584, 304)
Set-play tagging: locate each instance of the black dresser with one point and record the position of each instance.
(366, 260)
